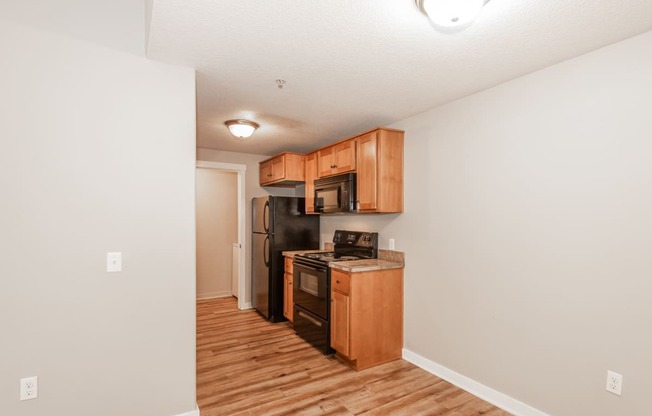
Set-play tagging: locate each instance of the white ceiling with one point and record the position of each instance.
(351, 65)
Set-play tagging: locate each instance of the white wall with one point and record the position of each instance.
(527, 231)
(216, 230)
(97, 156)
(118, 24)
(252, 190)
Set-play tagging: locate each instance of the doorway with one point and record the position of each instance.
(220, 230)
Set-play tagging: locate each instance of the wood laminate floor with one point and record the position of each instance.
(248, 366)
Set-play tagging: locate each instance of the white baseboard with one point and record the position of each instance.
(212, 295)
(246, 306)
(488, 394)
(191, 413)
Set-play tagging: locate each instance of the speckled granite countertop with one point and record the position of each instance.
(365, 265)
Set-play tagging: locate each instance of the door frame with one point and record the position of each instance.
(240, 170)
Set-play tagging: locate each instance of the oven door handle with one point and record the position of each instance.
(310, 318)
(310, 267)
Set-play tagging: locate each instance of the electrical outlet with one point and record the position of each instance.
(114, 262)
(392, 244)
(28, 388)
(614, 383)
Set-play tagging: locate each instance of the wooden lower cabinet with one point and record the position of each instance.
(288, 296)
(340, 322)
(367, 316)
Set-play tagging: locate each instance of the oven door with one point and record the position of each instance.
(311, 289)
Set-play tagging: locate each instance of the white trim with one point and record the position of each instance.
(486, 393)
(212, 295)
(240, 170)
(232, 167)
(247, 306)
(191, 413)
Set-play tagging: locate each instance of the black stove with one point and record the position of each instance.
(312, 285)
(329, 256)
(323, 258)
(348, 245)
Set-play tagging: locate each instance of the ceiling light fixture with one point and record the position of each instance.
(451, 13)
(241, 128)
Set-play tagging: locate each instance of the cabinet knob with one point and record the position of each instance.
(338, 282)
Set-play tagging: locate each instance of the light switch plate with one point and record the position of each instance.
(114, 262)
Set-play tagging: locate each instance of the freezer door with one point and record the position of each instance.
(260, 270)
(261, 215)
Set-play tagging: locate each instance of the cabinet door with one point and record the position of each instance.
(326, 162)
(278, 168)
(311, 175)
(288, 298)
(340, 308)
(265, 172)
(367, 177)
(344, 155)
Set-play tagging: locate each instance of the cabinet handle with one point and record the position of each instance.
(338, 282)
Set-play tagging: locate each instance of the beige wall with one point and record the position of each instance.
(217, 230)
(252, 190)
(97, 156)
(527, 231)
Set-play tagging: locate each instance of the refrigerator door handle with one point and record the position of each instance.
(266, 251)
(266, 217)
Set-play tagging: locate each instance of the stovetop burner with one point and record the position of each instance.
(349, 246)
(329, 256)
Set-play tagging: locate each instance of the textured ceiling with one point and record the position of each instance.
(351, 65)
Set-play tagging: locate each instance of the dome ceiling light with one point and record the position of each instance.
(451, 14)
(241, 128)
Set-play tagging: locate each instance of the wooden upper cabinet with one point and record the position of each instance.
(310, 176)
(278, 168)
(375, 156)
(286, 169)
(336, 159)
(380, 171)
(265, 172)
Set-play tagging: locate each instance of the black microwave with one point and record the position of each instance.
(335, 194)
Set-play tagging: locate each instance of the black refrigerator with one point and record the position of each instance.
(279, 224)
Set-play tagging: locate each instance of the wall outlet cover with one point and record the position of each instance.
(614, 383)
(28, 388)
